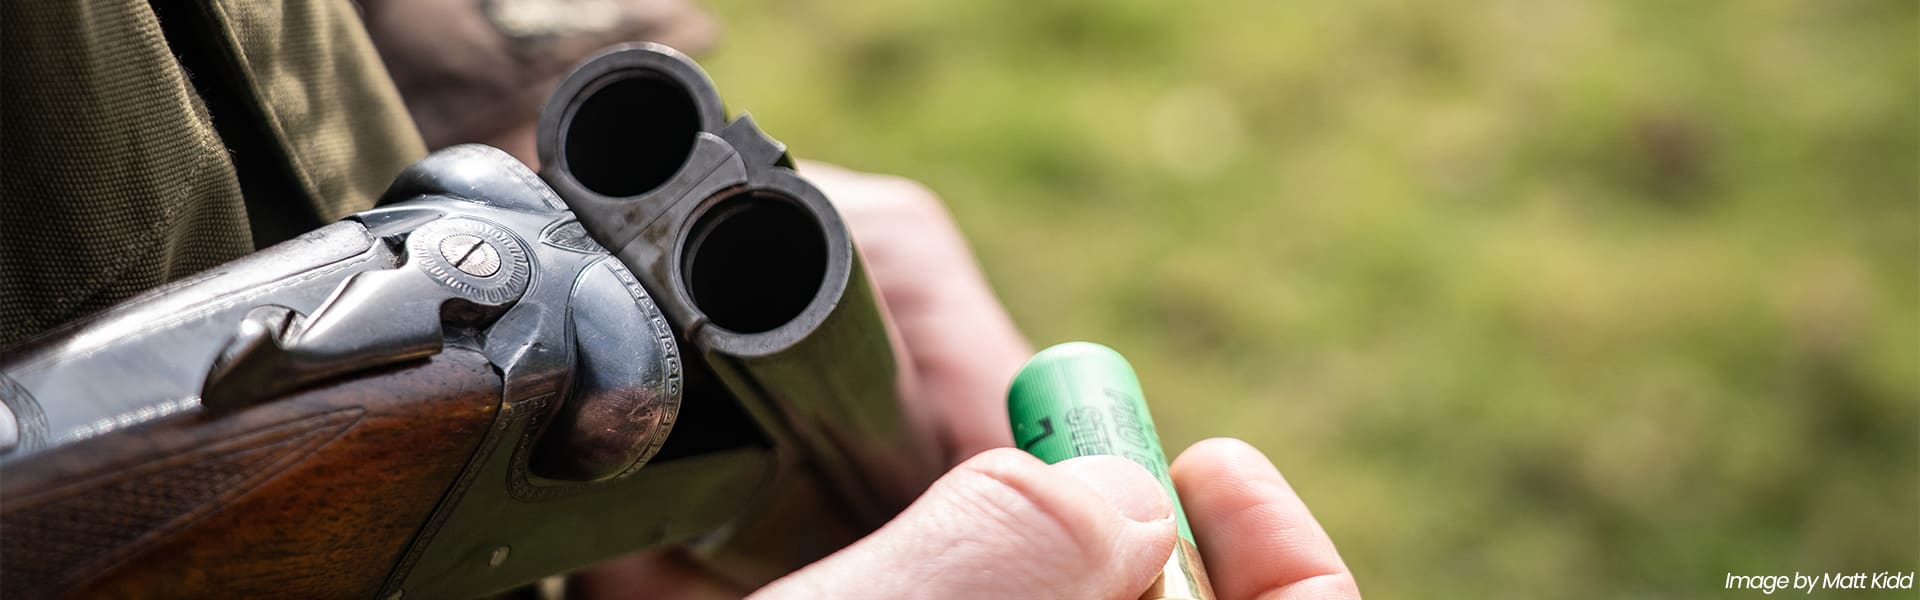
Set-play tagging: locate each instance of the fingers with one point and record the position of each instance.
(1256, 536)
(1005, 525)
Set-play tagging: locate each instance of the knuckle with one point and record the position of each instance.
(911, 196)
(913, 191)
(895, 200)
(1017, 494)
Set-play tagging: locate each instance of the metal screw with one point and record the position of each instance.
(499, 556)
(470, 254)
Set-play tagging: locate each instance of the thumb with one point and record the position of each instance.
(1005, 525)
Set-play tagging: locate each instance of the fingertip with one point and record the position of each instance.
(1123, 484)
(1223, 461)
(1220, 450)
(1003, 463)
(1254, 530)
(1026, 493)
(1143, 537)
(1005, 524)
(1114, 521)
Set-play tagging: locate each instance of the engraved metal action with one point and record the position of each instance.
(677, 327)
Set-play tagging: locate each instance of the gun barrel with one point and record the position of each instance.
(750, 263)
(483, 382)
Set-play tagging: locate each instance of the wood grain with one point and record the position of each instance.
(313, 495)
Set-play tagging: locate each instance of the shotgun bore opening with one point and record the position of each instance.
(631, 135)
(755, 261)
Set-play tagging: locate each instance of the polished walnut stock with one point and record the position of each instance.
(666, 336)
(316, 494)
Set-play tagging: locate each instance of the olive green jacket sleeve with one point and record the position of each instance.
(141, 142)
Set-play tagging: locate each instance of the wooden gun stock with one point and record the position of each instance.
(728, 307)
(319, 492)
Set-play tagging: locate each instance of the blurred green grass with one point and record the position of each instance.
(1563, 299)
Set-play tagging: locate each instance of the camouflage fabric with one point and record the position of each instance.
(481, 70)
(142, 142)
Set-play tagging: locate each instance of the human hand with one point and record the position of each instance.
(959, 349)
(1257, 538)
(1002, 524)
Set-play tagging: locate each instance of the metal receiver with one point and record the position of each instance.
(667, 271)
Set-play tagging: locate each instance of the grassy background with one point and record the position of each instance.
(1566, 299)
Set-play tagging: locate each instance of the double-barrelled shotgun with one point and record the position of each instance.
(663, 337)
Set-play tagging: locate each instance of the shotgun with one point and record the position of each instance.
(664, 337)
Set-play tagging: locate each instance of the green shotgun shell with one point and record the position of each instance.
(1082, 399)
